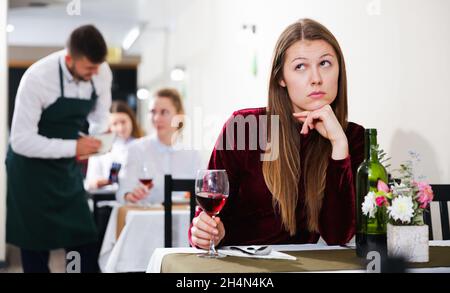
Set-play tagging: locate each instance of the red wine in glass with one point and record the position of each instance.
(211, 203)
(146, 182)
(212, 190)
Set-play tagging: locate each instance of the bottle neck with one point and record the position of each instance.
(371, 143)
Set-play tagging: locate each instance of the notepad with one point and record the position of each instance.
(107, 140)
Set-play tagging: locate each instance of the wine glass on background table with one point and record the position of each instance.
(211, 189)
(146, 176)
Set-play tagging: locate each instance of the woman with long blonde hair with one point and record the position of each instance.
(307, 189)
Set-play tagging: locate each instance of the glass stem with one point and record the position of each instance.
(212, 249)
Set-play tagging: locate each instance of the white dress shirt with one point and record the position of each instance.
(162, 160)
(38, 89)
(99, 166)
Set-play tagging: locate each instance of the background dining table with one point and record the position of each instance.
(133, 233)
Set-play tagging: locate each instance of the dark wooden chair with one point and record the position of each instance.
(173, 185)
(442, 196)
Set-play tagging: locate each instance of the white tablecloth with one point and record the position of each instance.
(142, 234)
(154, 265)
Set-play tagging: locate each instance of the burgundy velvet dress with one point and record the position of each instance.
(248, 215)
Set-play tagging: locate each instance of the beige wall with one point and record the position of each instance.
(397, 65)
(3, 123)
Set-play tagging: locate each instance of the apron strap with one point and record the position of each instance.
(94, 95)
(61, 81)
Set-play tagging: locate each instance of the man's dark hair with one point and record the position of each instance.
(87, 41)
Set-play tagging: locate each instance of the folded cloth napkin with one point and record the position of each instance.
(255, 251)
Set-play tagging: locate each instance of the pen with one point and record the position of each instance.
(82, 134)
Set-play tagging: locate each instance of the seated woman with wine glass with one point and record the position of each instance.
(104, 170)
(152, 157)
(300, 185)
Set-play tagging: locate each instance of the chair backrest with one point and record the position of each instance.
(171, 185)
(438, 216)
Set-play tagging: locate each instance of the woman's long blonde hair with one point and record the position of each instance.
(283, 174)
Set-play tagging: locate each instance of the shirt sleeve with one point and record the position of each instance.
(25, 139)
(94, 170)
(337, 219)
(128, 175)
(198, 163)
(98, 119)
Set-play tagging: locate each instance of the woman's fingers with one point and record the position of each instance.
(302, 114)
(204, 229)
(132, 197)
(307, 125)
(323, 120)
(141, 191)
(204, 217)
(209, 226)
(310, 123)
(145, 190)
(308, 118)
(221, 229)
(305, 117)
(201, 234)
(137, 193)
(303, 130)
(202, 243)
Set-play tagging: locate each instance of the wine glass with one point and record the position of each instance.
(211, 189)
(145, 176)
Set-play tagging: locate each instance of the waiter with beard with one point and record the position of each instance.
(46, 202)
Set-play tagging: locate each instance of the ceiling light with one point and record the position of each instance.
(143, 94)
(177, 74)
(131, 37)
(10, 28)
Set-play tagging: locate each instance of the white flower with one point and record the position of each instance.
(369, 206)
(401, 209)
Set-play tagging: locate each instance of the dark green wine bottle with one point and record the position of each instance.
(370, 232)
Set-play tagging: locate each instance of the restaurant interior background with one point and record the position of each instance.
(218, 54)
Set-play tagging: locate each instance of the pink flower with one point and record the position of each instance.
(381, 186)
(425, 194)
(381, 201)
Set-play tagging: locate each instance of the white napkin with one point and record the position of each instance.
(253, 251)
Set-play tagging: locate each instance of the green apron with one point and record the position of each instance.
(46, 201)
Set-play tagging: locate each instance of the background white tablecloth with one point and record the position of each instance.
(142, 234)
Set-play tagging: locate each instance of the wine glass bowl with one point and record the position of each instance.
(211, 203)
(146, 181)
(145, 176)
(211, 189)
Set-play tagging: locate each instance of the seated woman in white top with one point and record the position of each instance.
(159, 154)
(122, 121)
